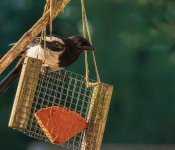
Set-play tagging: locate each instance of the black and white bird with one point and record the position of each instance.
(58, 53)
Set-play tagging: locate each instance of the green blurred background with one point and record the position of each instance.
(135, 52)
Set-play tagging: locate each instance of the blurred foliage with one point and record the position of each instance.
(135, 52)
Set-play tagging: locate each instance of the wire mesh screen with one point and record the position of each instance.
(62, 88)
(59, 108)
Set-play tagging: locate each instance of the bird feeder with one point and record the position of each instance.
(65, 94)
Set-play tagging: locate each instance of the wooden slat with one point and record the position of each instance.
(25, 93)
(97, 117)
(29, 36)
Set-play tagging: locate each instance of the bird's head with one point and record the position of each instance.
(81, 43)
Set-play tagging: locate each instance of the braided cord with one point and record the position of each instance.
(86, 33)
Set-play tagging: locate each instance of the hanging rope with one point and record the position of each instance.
(86, 33)
(48, 6)
(51, 27)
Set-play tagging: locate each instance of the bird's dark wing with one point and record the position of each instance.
(8, 80)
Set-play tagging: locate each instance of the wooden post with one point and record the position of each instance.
(28, 37)
(97, 117)
(25, 93)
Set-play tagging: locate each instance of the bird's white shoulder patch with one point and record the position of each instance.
(50, 58)
(36, 52)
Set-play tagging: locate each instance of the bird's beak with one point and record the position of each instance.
(87, 48)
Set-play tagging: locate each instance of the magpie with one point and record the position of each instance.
(56, 53)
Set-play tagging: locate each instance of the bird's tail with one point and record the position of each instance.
(8, 80)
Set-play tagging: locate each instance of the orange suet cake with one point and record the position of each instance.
(60, 124)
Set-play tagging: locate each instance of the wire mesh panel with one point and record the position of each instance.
(62, 110)
(61, 88)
